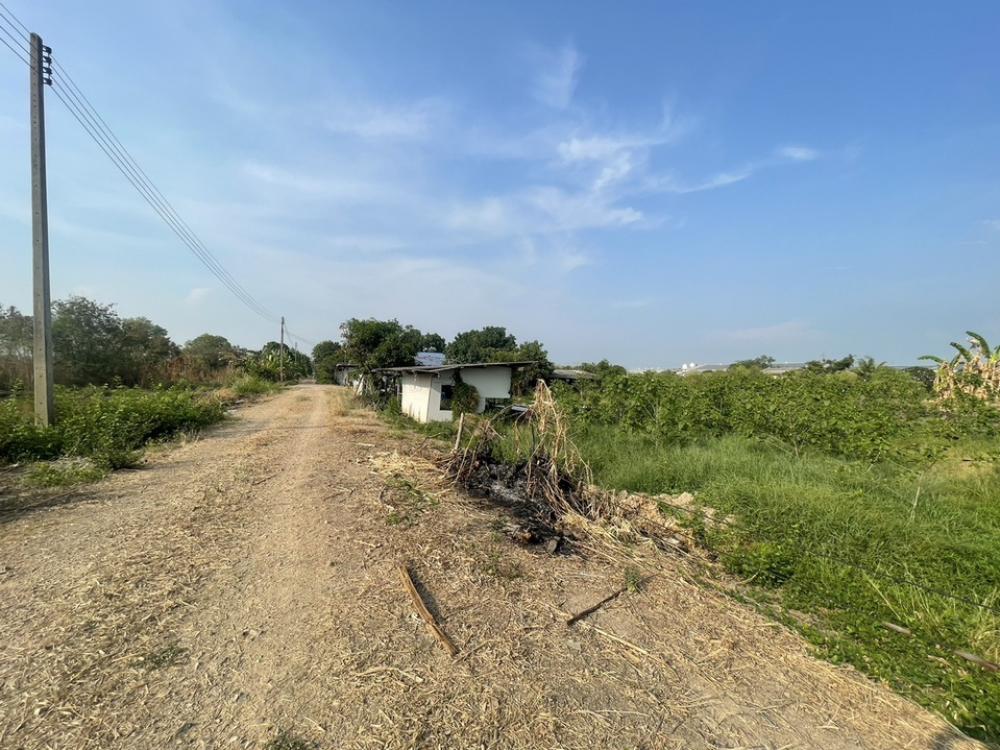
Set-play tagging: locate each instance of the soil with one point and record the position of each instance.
(244, 586)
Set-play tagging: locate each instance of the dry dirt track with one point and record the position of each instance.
(245, 583)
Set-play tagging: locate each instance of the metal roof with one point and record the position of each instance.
(436, 369)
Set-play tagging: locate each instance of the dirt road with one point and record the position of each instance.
(244, 585)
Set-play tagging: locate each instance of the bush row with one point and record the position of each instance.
(108, 425)
(868, 417)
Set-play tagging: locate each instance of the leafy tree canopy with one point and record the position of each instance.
(757, 363)
(432, 342)
(209, 351)
(374, 343)
(326, 356)
(480, 345)
(602, 369)
(830, 366)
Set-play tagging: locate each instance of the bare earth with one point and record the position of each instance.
(245, 584)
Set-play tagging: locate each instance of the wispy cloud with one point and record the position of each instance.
(405, 121)
(993, 224)
(797, 153)
(197, 295)
(556, 78)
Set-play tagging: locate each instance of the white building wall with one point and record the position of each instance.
(491, 382)
(416, 393)
(422, 392)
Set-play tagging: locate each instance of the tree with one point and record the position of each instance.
(432, 342)
(372, 344)
(87, 341)
(830, 366)
(209, 353)
(15, 348)
(757, 363)
(603, 369)
(146, 352)
(480, 345)
(525, 377)
(326, 356)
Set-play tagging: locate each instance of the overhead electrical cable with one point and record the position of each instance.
(83, 111)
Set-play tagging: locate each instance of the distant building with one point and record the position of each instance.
(426, 391)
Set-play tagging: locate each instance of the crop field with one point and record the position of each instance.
(862, 512)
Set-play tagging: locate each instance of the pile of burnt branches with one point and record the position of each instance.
(548, 488)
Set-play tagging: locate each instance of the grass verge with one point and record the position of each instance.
(841, 547)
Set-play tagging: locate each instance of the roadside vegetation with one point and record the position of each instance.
(863, 510)
(121, 383)
(861, 503)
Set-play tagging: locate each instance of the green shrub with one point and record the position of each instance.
(839, 414)
(245, 386)
(109, 425)
(464, 399)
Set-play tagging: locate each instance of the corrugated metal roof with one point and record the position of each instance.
(434, 369)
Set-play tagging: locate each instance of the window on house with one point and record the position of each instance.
(447, 393)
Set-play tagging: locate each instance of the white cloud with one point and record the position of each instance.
(196, 295)
(993, 224)
(556, 82)
(671, 184)
(570, 260)
(405, 122)
(797, 153)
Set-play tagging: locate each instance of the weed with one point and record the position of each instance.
(496, 565)
(246, 386)
(165, 657)
(108, 425)
(633, 579)
(409, 501)
(64, 472)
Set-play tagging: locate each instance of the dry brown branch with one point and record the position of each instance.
(425, 613)
(594, 607)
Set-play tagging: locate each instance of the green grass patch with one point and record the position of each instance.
(852, 545)
(249, 386)
(64, 472)
(401, 423)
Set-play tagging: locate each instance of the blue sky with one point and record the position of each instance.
(654, 183)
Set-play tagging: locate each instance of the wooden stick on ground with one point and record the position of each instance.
(593, 608)
(425, 613)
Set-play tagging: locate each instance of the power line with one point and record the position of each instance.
(146, 193)
(83, 110)
(16, 19)
(19, 41)
(115, 143)
(16, 53)
(159, 204)
(98, 129)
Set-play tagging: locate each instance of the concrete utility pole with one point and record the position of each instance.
(281, 354)
(39, 78)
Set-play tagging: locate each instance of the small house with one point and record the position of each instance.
(344, 374)
(426, 390)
